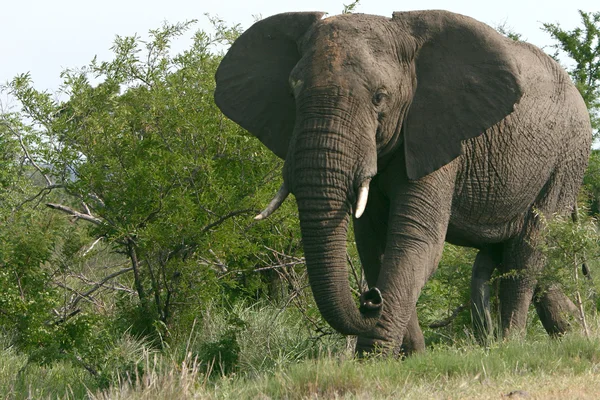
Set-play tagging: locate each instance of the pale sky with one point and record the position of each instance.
(46, 36)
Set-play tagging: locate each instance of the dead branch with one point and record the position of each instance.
(76, 295)
(448, 320)
(85, 295)
(92, 246)
(300, 259)
(225, 218)
(290, 264)
(70, 211)
(99, 285)
(43, 192)
(113, 286)
(359, 281)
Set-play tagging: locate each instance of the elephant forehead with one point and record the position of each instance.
(337, 43)
(328, 46)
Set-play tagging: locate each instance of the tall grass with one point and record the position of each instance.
(275, 355)
(566, 368)
(256, 338)
(22, 380)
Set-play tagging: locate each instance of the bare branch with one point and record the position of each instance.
(43, 192)
(448, 320)
(220, 263)
(358, 279)
(290, 264)
(300, 259)
(225, 218)
(99, 285)
(113, 286)
(93, 245)
(69, 210)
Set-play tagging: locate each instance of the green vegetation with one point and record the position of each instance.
(582, 45)
(538, 365)
(130, 266)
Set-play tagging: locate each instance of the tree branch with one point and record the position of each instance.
(290, 264)
(43, 192)
(448, 320)
(99, 285)
(225, 218)
(358, 280)
(27, 155)
(70, 211)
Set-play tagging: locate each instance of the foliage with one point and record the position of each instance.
(351, 8)
(582, 45)
(145, 267)
(163, 177)
(35, 246)
(509, 32)
(591, 183)
(447, 294)
(149, 192)
(570, 246)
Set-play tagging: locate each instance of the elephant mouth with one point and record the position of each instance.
(283, 193)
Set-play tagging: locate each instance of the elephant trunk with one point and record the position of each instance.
(324, 233)
(325, 173)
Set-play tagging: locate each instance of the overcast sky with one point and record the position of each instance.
(46, 36)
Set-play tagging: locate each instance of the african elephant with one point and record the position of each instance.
(425, 127)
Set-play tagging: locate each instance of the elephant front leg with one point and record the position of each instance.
(417, 224)
(413, 340)
(370, 232)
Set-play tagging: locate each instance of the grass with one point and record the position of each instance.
(275, 358)
(452, 372)
(546, 369)
(20, 380)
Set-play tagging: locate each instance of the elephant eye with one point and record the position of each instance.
(379, 97)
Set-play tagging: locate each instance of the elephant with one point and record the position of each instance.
(424, 128)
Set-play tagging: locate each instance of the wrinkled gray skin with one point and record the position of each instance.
(461, 133)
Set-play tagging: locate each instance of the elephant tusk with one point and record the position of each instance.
(279, 198)
(361, 203)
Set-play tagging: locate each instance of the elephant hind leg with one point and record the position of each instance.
(555, 310)
(521, 261)
(487, 260)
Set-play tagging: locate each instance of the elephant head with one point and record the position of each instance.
(338, 97)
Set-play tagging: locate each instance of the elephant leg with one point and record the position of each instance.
(370, 232)
(521, 261)
(417, 226)
(555, 310)
(486, 262)
(523, 255)
(413, 341)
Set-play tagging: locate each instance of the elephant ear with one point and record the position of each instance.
(252, 80)
(467, 81)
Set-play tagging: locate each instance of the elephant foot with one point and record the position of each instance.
(555, 310)
(366, 347)
(413, 341)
